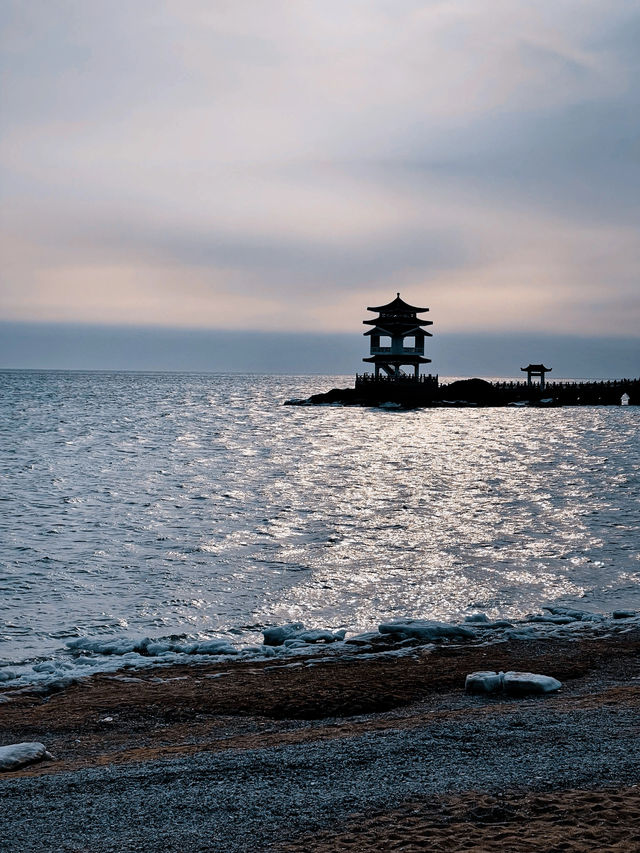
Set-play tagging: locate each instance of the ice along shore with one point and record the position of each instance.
(372, 744)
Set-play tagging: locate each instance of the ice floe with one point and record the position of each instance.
(425, 629)
(17, 755)
(148, 647)
(551, 619)
(276, 636)
(364, 639)
(513, 683)
(483, 682)
(526, 683)
(477, 617)
(295, 635)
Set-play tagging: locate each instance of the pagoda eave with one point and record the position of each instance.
(414, 331)
(397, 358)
(398, 321)
(378, 330)
(398, 304)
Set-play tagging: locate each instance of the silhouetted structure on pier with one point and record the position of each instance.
(411, 394)
(536, 370)
(397, 338)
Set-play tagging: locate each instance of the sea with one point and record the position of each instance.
(185, 508)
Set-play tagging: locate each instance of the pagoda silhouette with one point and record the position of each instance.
(397, 339)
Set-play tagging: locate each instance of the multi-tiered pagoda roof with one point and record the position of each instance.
(397, 320)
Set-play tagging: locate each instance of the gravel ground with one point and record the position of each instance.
(254, 800)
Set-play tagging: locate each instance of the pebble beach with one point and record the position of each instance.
(345, 748)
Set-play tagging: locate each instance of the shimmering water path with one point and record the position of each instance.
(159, 504)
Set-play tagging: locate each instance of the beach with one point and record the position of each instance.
(319, 427)
(338, 750)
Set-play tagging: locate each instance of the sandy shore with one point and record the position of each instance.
(346, 752)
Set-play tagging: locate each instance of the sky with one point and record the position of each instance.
(183, 171)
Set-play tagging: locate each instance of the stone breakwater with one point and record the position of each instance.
(406, 393)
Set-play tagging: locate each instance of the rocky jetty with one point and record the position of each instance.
(408, 394)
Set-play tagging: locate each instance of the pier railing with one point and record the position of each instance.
(428, 389)
(383, 379)
(562, 386)
(607, 392)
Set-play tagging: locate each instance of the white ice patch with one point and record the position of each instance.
(483, 682)
(113, 646)
(577, 615)
(551, 619)
(7, 674)
(477, 617)
(126, 647)
(527, 683)
(513, 683)
(276, 636)
(364, 639)
(320, 636)
(85, 656)
(18, 755)
(295, 636)
(425, 629)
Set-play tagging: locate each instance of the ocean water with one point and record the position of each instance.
(198, 506)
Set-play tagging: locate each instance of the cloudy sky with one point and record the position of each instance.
(281, 164)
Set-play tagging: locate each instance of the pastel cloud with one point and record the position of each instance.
(258, 164)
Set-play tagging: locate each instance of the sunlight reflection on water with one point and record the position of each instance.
(157, 503)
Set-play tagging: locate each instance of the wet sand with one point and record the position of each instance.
(597, 820)
(366, 753)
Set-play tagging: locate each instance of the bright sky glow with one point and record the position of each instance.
(280, 165)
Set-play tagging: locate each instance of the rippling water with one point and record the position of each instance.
(156, 504)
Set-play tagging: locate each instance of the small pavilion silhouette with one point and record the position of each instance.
(536, 370)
